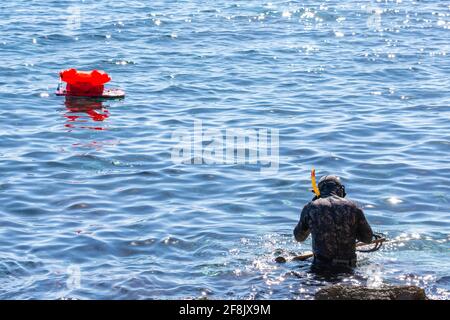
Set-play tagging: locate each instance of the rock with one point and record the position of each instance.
(339, 292)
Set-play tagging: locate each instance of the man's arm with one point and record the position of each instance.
(302, 230)
(363, 230)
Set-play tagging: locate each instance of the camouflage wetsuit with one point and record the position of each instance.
(335, 224)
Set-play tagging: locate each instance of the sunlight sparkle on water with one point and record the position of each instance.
(394, 200)
(286, 14)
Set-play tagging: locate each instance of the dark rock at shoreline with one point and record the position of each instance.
(339, 292)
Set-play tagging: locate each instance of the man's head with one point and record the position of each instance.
(331, 185)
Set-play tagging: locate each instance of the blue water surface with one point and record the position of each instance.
(92, 206)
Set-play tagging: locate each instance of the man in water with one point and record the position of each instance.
(335, 224)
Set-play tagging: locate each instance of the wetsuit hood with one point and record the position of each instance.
(331, 185)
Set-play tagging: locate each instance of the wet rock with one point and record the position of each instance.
(280, 259)
(339, 292)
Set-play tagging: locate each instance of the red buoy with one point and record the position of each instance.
(87, 84)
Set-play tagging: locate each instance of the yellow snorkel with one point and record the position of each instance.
(313, 182)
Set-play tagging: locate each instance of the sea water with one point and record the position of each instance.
(94, 205)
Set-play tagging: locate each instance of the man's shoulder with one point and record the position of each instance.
(330, 201)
